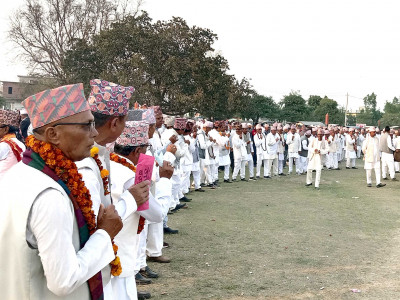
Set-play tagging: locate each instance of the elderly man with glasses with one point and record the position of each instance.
(52, 246)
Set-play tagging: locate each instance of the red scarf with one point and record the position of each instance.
(13, 145)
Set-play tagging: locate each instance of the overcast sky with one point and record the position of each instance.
(317, 47)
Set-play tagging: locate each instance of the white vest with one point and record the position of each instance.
(22, 275)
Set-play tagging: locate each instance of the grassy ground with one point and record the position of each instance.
(277, 239)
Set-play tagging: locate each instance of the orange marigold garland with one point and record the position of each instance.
(103, 172)
(67, 171)
(118, 159)
(116, 268)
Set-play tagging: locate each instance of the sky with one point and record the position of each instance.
(316, 47)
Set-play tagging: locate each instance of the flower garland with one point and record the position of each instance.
(118, 159)
(67, 171)
(94, 153)
(116, 268)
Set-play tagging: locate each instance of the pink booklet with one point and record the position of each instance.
(144, 170)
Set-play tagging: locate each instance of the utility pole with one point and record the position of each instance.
(345, 113)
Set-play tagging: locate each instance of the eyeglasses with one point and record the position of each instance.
(90, 125)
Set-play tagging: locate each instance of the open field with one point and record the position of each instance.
(277, 239)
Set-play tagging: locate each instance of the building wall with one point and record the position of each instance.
(12, 94)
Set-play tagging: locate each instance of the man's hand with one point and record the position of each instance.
(248, 142)
(316, 150)
(140, 192)
(171, 148)
(173, 139)
(166, 170)
(187, 142)
(109, 220)
(292, 137)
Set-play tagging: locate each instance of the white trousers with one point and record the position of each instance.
(155, 239)
(211, 174)
(196, 179)
(396, 166)
(215, 175)
(358, 151)
(387, 163)
(239, 167)
(291, 160)
(227, 168)
(259, 164)
(141, 254)
(124, 288)
(271, 162)
(351, 162)
(250, 163)
(303, 164)
(332, 160)
(317, 177)
(377, 175)
(176, 186)
(280, 166)
(185, 181)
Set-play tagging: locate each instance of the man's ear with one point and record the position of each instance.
(52, 135)
(113, 123)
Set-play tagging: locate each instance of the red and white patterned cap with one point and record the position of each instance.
(52, 105)
(180, 123)
(8, 117)
(136, 133)
(109, 98)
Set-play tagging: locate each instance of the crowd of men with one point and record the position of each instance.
(76, 224)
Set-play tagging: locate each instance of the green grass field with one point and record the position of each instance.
(277, 239)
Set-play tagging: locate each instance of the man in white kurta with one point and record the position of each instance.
(372, 158)
(317, 148)
(224, 150)
(332, 151)
(271, 155)
(134, 139)
(239, 154)
(351, 146)
(281, 151)
(261, 146)
(294, 147)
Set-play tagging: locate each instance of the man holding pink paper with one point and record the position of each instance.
(130, 165)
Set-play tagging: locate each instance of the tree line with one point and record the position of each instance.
(170, 63)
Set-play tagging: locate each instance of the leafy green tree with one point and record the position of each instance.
(293, 107)
(260, 106)
(328, 106)
(391, 116)
(369, 114)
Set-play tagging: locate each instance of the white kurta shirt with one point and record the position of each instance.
(315, 159)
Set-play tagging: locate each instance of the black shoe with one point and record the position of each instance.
(185, 199)
(182, 205)
(282, 174)
(199, 190)
(308, 184)
(148, 273)
(170, 212)
(243, 179)
(380, 185)
(174, 210)
(397, 172)
(347, 167)
(168, 230)
(385, 178)
(251, 178)
(140, 280)
(211, 186)
(227, 181)
(337, 169)
(202, 184)
(395, 179)
(354, 168)
(369, 185)
(258, 177)
(267, 177)
(143, 295)
(165, 245)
